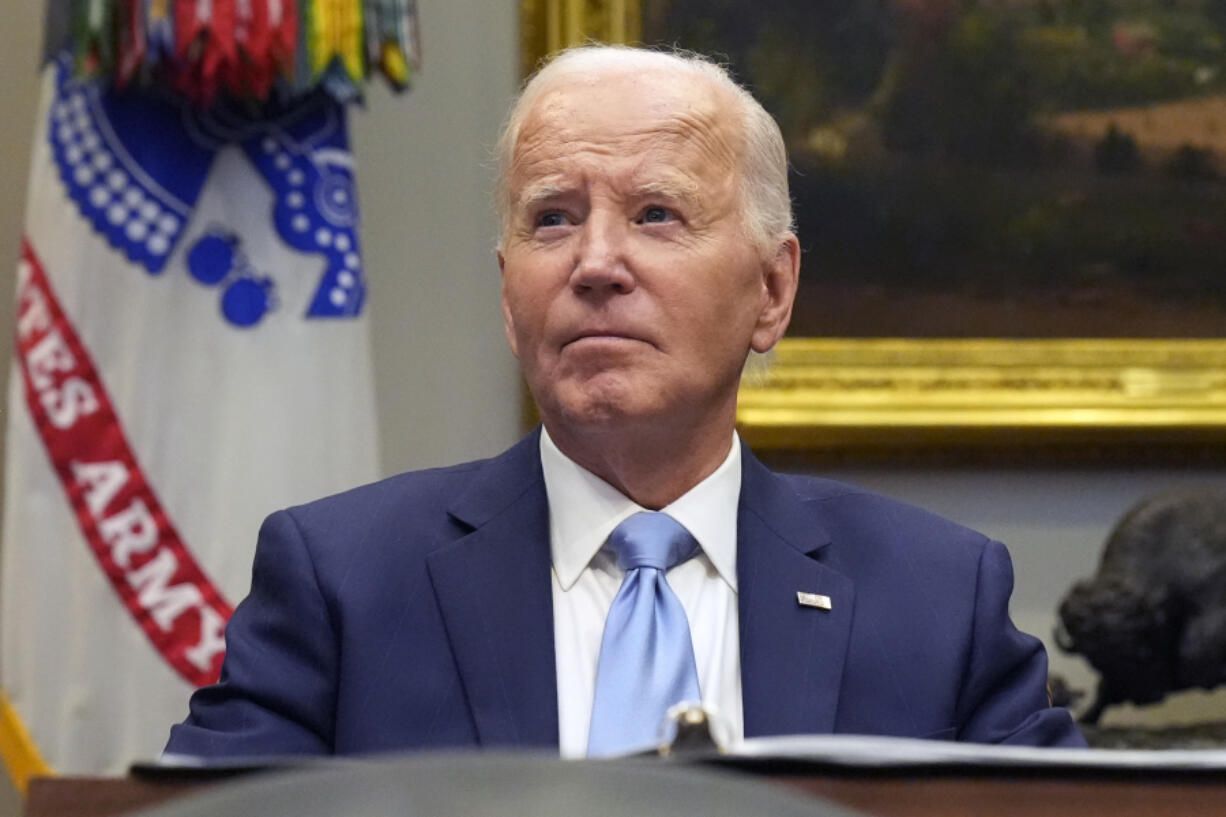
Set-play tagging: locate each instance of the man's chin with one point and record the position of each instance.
(595, 415)
(601, 408)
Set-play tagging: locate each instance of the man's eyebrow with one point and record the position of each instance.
(677, 189)
(685, 190)
(536, 194)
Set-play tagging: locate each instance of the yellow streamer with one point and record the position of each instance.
(394, 66)
(17, 749)
(336, 32)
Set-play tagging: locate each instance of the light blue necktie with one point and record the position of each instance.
(646, 657)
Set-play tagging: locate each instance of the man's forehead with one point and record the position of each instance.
(628, 121)
(629, 100)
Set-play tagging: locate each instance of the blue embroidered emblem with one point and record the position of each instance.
(135, 168)
(247, 296)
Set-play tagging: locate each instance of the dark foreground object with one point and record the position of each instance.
(482, 784)
(1193, 736)
(1153, 620)
(474, 785)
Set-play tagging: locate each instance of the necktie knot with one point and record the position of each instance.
(651, 539)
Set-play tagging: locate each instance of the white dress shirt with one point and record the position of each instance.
(583, 511)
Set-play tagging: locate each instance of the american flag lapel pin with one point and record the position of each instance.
(813, 600)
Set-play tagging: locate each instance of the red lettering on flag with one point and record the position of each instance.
(126, 527)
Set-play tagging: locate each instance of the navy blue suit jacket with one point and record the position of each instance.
(417, 613)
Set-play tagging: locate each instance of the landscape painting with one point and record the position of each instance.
(991, 168)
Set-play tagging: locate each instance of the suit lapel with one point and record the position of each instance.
(493, 589)
(791, 655)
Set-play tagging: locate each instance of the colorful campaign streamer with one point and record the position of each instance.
(391, 33)
(245, 50)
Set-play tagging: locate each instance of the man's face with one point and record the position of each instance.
(631, 289)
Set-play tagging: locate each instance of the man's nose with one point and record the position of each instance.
(602, 263)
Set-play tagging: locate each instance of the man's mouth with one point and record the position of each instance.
(603, 335)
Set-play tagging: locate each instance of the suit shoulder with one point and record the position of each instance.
(425, 482)
(854, 514)
(408, 498)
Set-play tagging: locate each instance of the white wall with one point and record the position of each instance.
(447, 387)
(20, 46)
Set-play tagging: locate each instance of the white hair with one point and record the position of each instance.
(765, 202)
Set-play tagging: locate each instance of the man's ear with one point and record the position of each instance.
(780, 278)
(508, 321)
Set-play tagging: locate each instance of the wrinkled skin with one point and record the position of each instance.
(632, 292)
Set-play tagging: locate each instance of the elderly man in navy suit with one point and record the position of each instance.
(631, 554)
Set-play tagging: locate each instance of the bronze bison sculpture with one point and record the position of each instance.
(1153, 619)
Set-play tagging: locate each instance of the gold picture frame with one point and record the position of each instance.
(891, 398)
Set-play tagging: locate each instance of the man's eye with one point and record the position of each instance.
(552, 218)
(655, 214)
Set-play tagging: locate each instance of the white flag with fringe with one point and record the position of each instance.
(191, 354)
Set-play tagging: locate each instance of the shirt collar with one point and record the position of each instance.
(584, 510)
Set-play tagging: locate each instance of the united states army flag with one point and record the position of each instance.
(191, 354)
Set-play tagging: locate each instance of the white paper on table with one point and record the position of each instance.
(871, 751)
